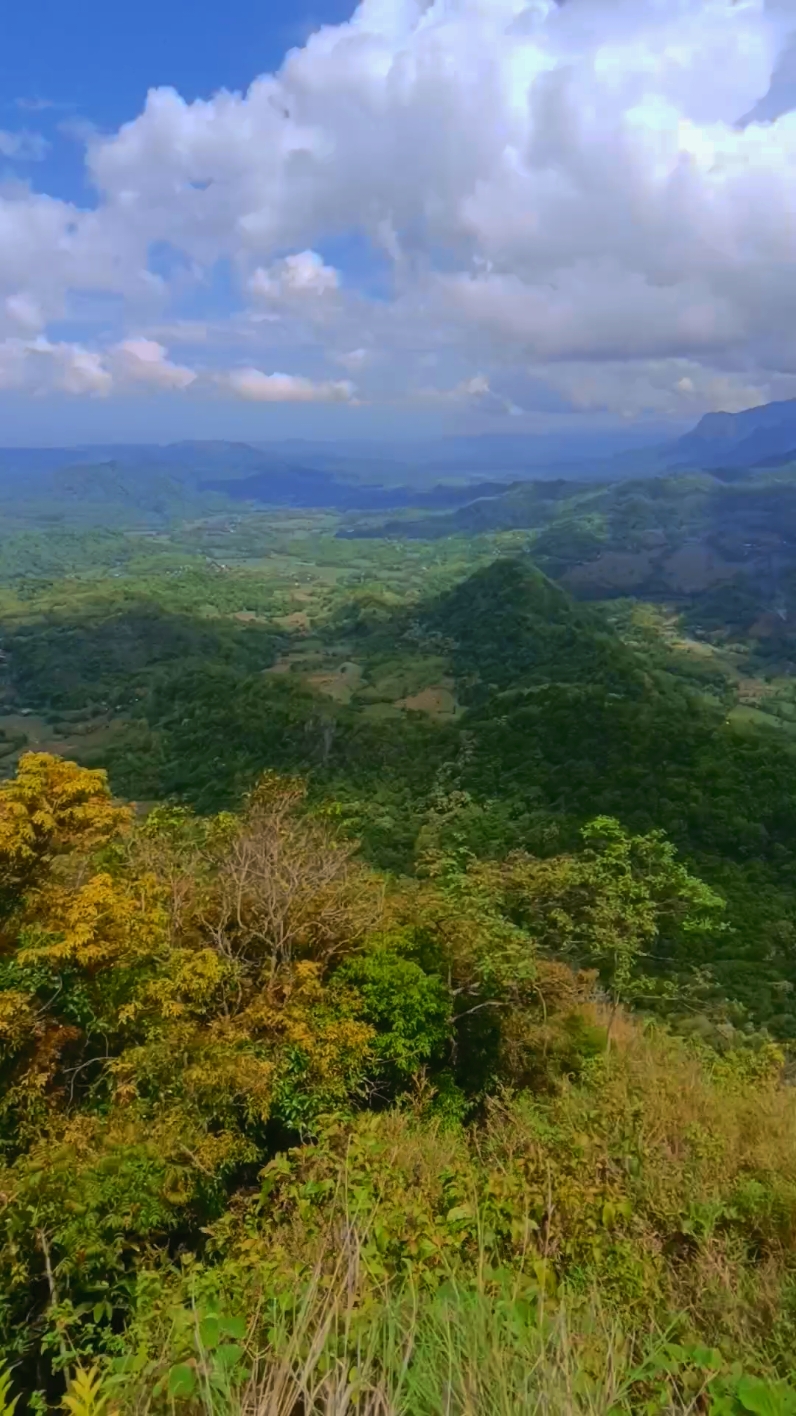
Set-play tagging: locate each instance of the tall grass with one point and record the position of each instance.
(456, 1353)
(467, 1348)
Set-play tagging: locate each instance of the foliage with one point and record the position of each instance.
(112, 658)
(218, 1031)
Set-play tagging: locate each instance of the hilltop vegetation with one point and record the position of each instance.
(558, 719)
(252, 1089)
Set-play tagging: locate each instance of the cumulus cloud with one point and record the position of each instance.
(303, 274)
(24, 312)
(145, 361)
(569, 192)
(78, 370)
(257, 387)
(677, 388)
(39, 366)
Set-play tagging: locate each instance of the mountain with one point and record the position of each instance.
(299, 472)
(743, 439)
(288, 1051)
(308, 487)
(494, 508)
(497, 480)
(111, 493)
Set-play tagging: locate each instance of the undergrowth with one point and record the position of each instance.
(281, 1136)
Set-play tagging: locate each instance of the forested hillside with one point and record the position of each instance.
(431, 1010)
(687, 537)
(556, 719)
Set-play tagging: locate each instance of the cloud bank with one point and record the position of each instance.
(512, 199)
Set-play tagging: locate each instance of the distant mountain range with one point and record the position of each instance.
(484, 481)
(153, 486)
(150, 486)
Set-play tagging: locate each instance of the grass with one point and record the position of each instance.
(462, 1350)
(474, 1349)
(338, 1336)
(745, 716)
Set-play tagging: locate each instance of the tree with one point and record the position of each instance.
(50, 808)
(625, 904)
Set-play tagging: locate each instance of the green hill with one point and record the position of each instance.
(510, 625)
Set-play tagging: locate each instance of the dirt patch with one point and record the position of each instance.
(82, 738)
(294, 661)
(36, 729)
(339, 684)
(297, 620)
(438, 702)
(752, 690)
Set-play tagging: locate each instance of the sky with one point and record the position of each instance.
(263, 220)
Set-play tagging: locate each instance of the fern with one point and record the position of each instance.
(7, 1401)
(88, 1394)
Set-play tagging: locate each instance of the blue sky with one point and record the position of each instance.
(401, 217)
(66, 65)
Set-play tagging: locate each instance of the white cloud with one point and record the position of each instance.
(557, 192)
(678, 388)
(257, 387)
(144, 361)
(12, 364)
(80, 371)
(39, 366)
(302, 274)
(354, 359)
(22, 146)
